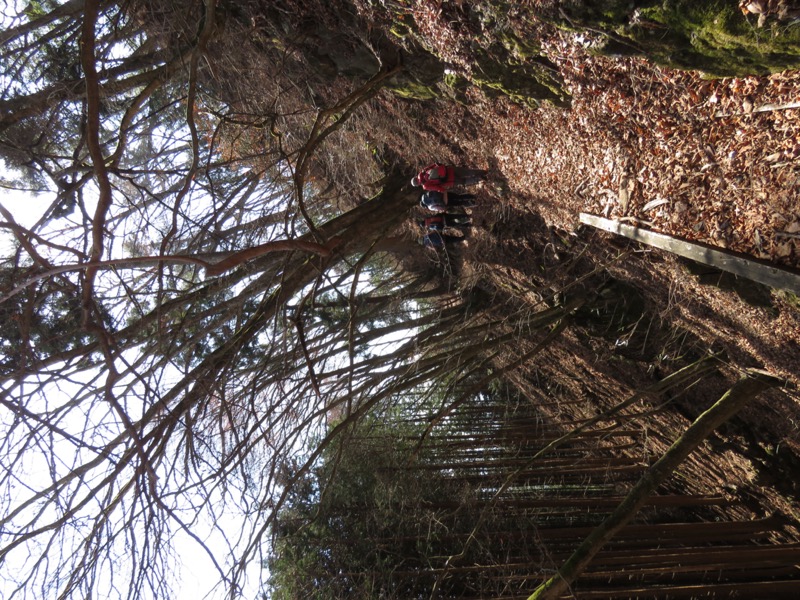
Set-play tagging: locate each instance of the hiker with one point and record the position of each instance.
(438, 240)
(440, 221)
(439, 202)
(441, 178)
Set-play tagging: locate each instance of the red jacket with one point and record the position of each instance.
(437, 178)
(436, 222)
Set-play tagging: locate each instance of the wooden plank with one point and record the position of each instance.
(761, 271)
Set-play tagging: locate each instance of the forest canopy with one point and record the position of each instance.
(163, 348)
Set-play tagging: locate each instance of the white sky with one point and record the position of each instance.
(25, 207)
(196, 575)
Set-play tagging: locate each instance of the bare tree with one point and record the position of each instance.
(149, 378)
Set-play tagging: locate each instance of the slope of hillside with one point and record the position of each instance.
(712, 160)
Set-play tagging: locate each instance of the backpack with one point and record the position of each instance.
(436, 173)
(436, 223)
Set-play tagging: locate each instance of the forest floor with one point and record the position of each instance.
(716, 161)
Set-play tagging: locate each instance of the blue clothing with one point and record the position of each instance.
(439, 202)
(437, 240)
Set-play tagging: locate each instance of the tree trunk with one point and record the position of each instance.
(745, 390)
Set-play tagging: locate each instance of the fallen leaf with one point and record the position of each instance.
(792, 227)
(654, 204)
(783, 250)
(626, 186)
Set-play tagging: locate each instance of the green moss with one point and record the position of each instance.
(452, 80)
(715, 37)
(518, 49)
(792, 299)
(526, 82)
(708, 35)
(512, 66)
(456, 86)
(400, 30)
(413, 90)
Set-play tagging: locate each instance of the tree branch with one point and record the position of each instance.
(746, 389)
(212, 266)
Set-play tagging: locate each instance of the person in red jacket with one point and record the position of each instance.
(441, 178)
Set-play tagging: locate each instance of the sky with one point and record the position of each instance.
(196, 575)
(25, 207)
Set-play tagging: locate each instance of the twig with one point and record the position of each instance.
(635, 221)
(761, 109)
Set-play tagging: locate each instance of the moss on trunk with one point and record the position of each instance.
(712, 36)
